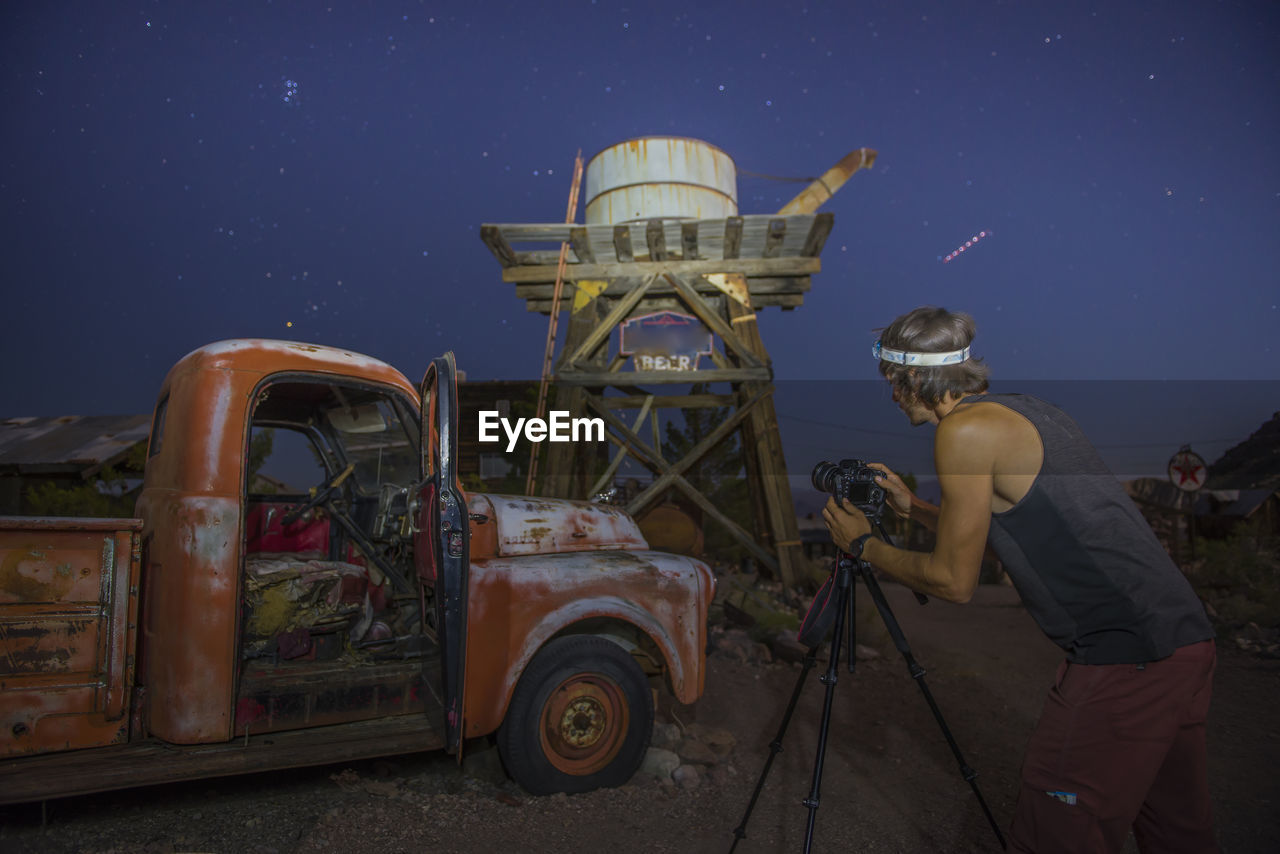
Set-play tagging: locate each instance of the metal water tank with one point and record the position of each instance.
(667, 177)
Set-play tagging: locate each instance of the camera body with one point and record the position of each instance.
(853, 480)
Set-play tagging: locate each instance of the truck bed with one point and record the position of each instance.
(68, 628)
(82, 772)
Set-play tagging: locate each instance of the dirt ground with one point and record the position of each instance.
(890, 782)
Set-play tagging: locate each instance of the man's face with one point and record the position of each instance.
(917, 413)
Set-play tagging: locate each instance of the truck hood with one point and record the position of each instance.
(528, 526)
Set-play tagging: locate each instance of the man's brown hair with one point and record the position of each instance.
(930, 329)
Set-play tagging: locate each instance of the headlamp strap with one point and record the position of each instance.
(924, 360)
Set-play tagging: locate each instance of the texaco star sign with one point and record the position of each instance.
(1187, 470)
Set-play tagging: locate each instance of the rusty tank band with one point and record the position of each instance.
(924, 360)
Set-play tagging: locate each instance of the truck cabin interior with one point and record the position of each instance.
(332, 625)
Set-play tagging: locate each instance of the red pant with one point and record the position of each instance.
(1120, 746)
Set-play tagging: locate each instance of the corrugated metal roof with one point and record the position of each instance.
(1231, 502)
(68, 443)
(1207, 502)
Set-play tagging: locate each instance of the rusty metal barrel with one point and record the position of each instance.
(660, 177)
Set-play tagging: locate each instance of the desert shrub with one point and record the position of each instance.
(1240, 576)
(110, 494)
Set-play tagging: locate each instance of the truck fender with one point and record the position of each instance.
(562, 620)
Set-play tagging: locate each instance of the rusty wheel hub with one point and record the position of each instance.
(584, 723)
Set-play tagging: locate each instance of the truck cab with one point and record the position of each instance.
(309, 570)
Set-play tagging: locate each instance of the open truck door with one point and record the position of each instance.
(441, 546)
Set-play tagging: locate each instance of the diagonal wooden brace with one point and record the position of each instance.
(622, 452)
(697, 452)
(713, 321)
(625, 438)
(602, 332)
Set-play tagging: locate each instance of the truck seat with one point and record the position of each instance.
(264, 532)
(292, 603)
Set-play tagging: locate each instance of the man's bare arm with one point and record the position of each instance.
(924, 513)
(964, 455)
(903, 501)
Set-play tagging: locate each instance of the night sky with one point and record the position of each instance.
(178, 173)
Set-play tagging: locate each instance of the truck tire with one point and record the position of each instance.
(580, 718)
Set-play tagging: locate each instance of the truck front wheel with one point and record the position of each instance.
(580, 718)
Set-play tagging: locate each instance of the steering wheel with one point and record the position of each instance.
(322, 494)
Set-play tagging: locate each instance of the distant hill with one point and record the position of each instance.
(1252, 464)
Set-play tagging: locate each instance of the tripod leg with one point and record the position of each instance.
(775, 746)
(829, 679)
(917, 673)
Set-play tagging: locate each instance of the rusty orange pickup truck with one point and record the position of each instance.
(245, 622)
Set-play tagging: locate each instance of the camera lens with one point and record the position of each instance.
(824, 476)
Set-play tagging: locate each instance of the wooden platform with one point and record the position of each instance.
(776, 254)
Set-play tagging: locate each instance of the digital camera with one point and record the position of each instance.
(853, 480)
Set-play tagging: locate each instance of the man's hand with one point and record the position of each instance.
(898, 497)
(846, 523)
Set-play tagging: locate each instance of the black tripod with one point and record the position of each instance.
(843, 572)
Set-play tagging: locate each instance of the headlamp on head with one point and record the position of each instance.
(923, 360)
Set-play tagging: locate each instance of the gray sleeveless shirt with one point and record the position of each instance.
(1086, 564)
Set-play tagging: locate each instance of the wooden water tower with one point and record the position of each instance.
(665, 258)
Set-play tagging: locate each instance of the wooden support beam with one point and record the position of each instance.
(622, 243)
(621, 436)
(616, 462)
(620, 287)
(602, 332)
(786, 302)
(537, 257)
(818, 232)
(643, 378)
(773, 240)
(748, 542)
(761, 521)
(675, 401)
(529, 232)
(766, 464)
(790, 265)
(697, 452)
(689, 240)
(657, 437)
(581, 248)
(652, 303)
(656, 239)
(732, 240)
(797, 285)
(713, 321)
(498, 245)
